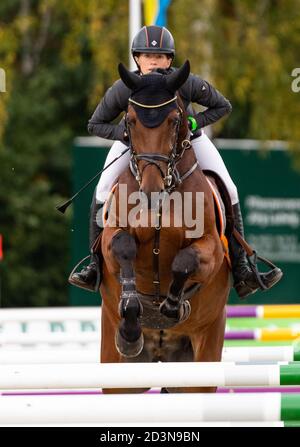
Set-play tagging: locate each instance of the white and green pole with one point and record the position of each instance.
(145, 375)
(147, 408)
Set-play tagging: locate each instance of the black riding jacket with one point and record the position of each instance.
(195, 89)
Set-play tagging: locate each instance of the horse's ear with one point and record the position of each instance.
(177, 79)
(129, 78)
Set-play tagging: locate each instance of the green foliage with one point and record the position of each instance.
(60, 56)
(247, 49)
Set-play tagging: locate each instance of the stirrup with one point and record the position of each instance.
(261, 276)
(252, 260)
(265, 280)
(94, 288)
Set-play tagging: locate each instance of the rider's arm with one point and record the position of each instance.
(203, 93)
(113, 103)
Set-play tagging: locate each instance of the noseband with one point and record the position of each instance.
(172, 176)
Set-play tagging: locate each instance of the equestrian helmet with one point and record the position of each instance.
(153, 39)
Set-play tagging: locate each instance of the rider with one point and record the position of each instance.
(153, 47)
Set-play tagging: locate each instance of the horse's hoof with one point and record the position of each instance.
(178, 313)
(129, 348)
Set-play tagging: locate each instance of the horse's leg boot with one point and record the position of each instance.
(89, 278)
(245, 281)
(175, 306)
(129, 338)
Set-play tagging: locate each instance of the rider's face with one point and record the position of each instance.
(149, 61)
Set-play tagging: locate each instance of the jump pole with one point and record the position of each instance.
(94, 312)
(280, 424)
(263, 334)
(267, 311)
(49, 337)
(145, 375)
(190, 407)
(92, 336)
(234, 354)
(59, 314)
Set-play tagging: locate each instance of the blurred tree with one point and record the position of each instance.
(247, 49)
(58, 64)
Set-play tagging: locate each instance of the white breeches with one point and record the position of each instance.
(206, 152)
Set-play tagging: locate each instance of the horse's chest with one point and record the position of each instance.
(168, 237)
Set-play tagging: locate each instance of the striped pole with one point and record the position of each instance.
(267, 311)
(89, 336)
(233, 354)
(11, 357)
(262, 323)
(145, 375)
(36, 356)
(30, 338)
(94, 312)
(263, 334)
(190, 407)
(58, 314)
(49, 337)
(261, 353)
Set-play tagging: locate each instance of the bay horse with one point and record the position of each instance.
(164, 293)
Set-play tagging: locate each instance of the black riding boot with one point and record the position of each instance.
(245, 281)
(90, 276)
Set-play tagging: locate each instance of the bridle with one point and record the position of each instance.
(172, 177)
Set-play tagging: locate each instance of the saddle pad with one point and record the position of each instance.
(221, 217)
(106, 206)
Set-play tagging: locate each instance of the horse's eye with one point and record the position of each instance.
(175, 121)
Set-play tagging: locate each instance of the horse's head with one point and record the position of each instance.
(156, 124)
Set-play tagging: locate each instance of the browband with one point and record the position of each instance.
(154, 106)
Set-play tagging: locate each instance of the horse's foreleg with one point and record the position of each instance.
(185, 263)
(129, 337)
(196, 261)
